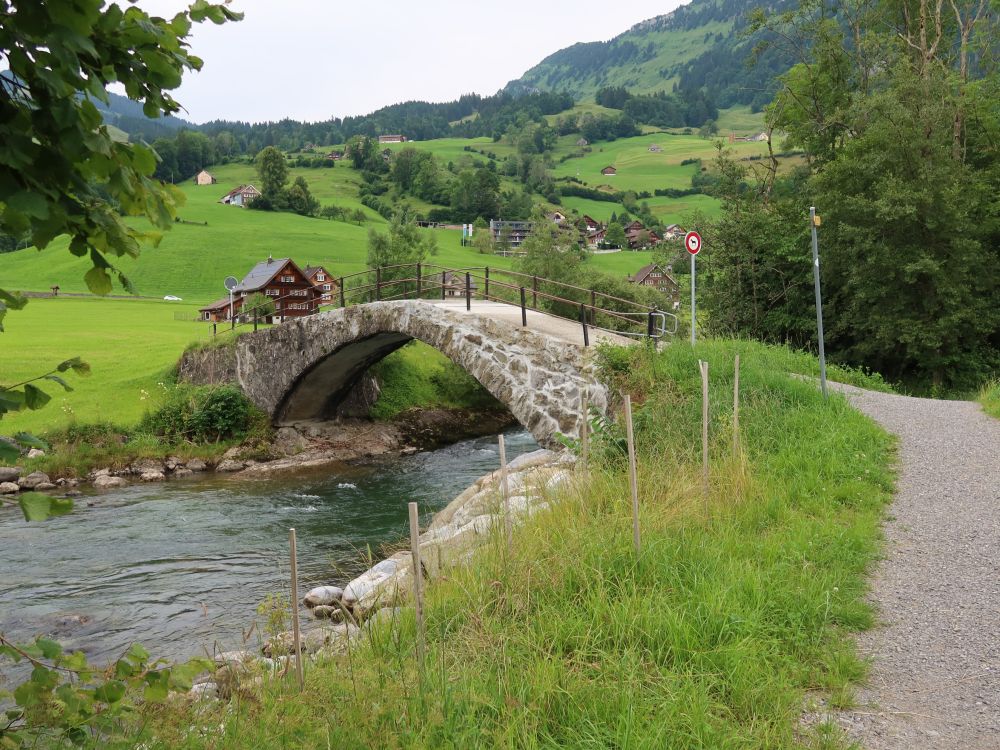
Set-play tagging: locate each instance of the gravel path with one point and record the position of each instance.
(935, 678)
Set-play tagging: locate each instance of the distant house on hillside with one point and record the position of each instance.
(583, 142)
(556, 217)
(454, 285)
(591, 223)
(240, 196)
(596, 238)
(673, 232)
(659, 278)
(760, 137)
(609, 171)
(656, 149)
(204, 177)
(323, 281)
(335, 155)
(392, 138)
(513, 233)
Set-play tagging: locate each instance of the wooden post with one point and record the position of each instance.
(584, 431)
(468, 290)
(524, 312)
(486, 291)
(378, 283)
(736, 408)
(534, 292)
(505, 492)
(703, 366)
(633, 479)
(444, 280)
(295, 611)
(418, 586)
(419, 281)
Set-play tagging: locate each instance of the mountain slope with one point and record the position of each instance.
(697, 46)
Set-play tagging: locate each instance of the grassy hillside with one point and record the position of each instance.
(715, 635)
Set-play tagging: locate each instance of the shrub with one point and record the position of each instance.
(203, 413)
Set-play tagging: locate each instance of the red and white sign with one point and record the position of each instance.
(692, 241)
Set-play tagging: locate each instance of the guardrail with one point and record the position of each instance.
(593, 310)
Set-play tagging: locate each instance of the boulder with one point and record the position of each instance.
(146, 466)
(204, 691)
(104, 482)
(152, 476)
(323, 595)
(172, 463)
(8, 488)
(182, 472)
(230, 465)
(287, 440)
(44, 487)
(321, 638)
(36, 453)
(196, 464)
(33, 479)
(72, 493)
(10, 473)
(99, 473)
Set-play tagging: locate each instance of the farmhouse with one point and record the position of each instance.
(335, 155)
(241, 196)
(673, 232)
(323, 281)
(596, 237)
(281, 281)
(204, 177)
(609, 171)
(556, 217)
(218, 311)
(655, 149)
(454, 285)
(761, 137)
(639, 237)
(590, 223)
(659, 278)
(392, 139)
(583, 142)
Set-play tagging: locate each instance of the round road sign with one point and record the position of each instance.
(231, 283)
(692, 241)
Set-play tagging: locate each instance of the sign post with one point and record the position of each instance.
(231, 283)
(814, 222)
(692, 242)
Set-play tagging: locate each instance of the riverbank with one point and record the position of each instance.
(735, 615)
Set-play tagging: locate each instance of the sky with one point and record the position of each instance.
(312, 60)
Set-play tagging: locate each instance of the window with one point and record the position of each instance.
(299, 292)
(272, 292)
(326, 287)
(288, 279)
(320, 277)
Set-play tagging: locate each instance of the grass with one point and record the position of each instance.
(131, 346)
(713, 636)
(989, 397)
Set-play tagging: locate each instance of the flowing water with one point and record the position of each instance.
(182, 565)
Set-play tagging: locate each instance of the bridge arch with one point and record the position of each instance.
(302, 369)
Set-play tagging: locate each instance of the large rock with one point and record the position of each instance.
(152, 476)
(8, 488)
(10, 473)
(106, 482)
(196, 464)
(33, 479)
(230, 465)
(323, 595)
(289, 441)
(44, 487)
(36, 453)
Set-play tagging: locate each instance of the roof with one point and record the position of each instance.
(613, 169)
(261, 274)
(240, 189)
(452, 278)
(644, 272)
(219, 304)
(310, 271)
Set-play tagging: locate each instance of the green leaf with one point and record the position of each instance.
(32, 204)
(155, 693)
(56, 379)
(30, 441)
(13, 300)
(110, 692)
(35, 506)
(98, 281)
(8, 453)
(76, 364)
(49, 649)
(11, 400)
(35, 397)
(61, 506)
(137, 652)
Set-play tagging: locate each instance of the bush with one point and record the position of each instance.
(203, 413)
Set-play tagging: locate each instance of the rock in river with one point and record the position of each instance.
(8, 488)
(33, 479)
(9, 473)
(105, 482)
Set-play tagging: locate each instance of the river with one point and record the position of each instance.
(182, 565)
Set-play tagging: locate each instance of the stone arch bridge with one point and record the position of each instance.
(303, 369)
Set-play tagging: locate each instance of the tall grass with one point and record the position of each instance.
(713, 636)
(989, 397)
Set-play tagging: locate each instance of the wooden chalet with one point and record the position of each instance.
(393, 138)
(596, 238)
(282, 281)
(218, 311)
(658, 278)
(591, 223)
(325, 283)
(609, 171)
(454, 285)
(240, 196)
(204, 177)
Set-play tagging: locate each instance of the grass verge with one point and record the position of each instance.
(735, 610)
(989, 397)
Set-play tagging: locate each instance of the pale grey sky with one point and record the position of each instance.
(312, 60)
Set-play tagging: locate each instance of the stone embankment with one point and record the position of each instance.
(378, 594)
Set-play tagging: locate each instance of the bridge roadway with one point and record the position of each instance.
(561, 328)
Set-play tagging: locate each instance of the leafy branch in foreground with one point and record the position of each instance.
(66, 698)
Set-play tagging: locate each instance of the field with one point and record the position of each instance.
(129, 344)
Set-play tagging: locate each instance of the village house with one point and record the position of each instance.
(556, 217)
(204, 177)
(609, 171)
(583, 142)
(281, 281)
(596, 238)
(454, 285)
(335, 155)
(658, 278)
(324, 282)
(656, 149)
(591, 223)
(673, 232)
(240, 196)
(392, 138)
(639, 237)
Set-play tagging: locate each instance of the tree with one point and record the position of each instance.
(300, 200)
(615, 236)
(61, 172)
(402, 245)
(257, 306)
(273, 173)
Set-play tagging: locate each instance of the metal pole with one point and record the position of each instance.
(231, 310)
(649, 325)
(583, 320)
(524, 312)
(819, 301)
(468, 290)
(692, 300)
(342, 302)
